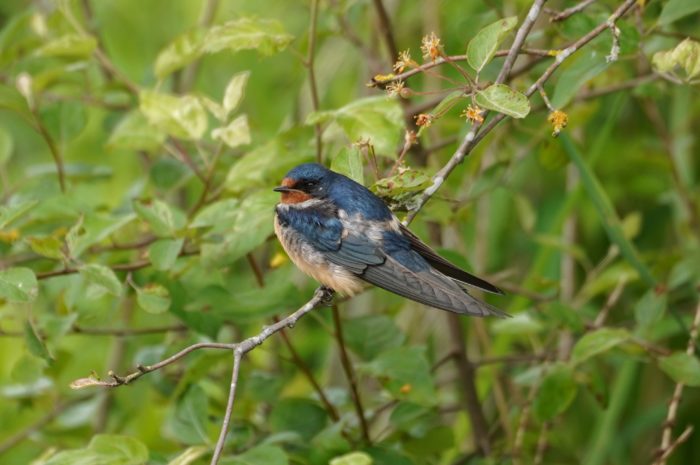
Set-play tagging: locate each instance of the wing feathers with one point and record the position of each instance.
(444, 266)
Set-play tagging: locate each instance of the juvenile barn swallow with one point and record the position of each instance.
(341, 234)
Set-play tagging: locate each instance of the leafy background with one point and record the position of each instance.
(138, 145)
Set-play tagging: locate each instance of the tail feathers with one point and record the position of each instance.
(429, 287)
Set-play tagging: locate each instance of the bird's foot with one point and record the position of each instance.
(327, 295)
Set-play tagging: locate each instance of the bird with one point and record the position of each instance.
(341, 234)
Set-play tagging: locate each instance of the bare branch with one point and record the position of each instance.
(520, 37)
(667, 445)
(237, 354)
(557, 16)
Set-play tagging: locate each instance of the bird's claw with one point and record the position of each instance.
(326, 295)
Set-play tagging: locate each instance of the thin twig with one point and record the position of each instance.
(350, 374)
(667, 445)
(520, 37)
(557, 16)
(237, 354)
(310, 58)
(386, 30)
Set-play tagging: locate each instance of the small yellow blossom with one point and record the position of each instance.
(278, 260)
(424, 120)
(9, 236)
(395, 88)
(406, 389)
(431, 46)
(474, 114)
(404, 61)
(559, 120)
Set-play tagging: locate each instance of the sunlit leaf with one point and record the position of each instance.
(484, 44)
(234, 91)
(179, 116)
(164, 252)
(180, 52)
(46, 246)
(153, 298)
(101, 277)
(503, 99)
(162, 218)
(69, 46)
(236, 133)
(189, 455)
(264, 35)
(349, 162)
(353, 458)
(18, 285)
(134, 133)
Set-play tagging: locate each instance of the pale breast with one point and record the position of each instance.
(313, 263)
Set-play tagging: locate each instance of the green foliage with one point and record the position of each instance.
(139, 145)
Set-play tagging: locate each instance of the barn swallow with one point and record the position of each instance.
(341, 234)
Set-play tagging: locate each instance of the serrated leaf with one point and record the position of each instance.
(164, 252)
(267, 36)
(234, 91)
(349, 162)
(236, 133)
(101, 277)
(682, 368)
(179, 53)
(18, 285)
(179, 116)
(69, 46)
(134, 133)
(153, 298)
(104, 449)
(483, 46)
(159, 215)
(596, 342)
(556, 393)
(503, 99)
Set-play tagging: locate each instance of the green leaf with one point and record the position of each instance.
(10, 213)
(18, 285)
(179, 116)
(682, 368)
(370, 335)
(377, 119)
(677, 9)
(503, 99)
(650, 309)
(189, 455)
(267, 36)
(69, 46)
(46, 246)
(685, 55)
(483, 46)
(102, 278)
(236, 133)
(353, 458)
(557, 391)
(400, 190)
(104, 449)
(234, 91)
(596, 342)
(261, 455)
(153, 298)
(250, 227)
(349, 162)
(163, 220)
(220, 212)
(586, 65)
(270, 161)
(448, 102)
(134, 133)
(164, 252)
(187, 421)
(6, 145)
(301, 416)
(406, 374)
(179, 53)
(35, 344)
(519, 324)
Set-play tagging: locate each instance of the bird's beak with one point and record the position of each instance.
(283, 189)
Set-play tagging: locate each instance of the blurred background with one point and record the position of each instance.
(139, 142)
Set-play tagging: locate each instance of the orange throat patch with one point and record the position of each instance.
(295, 197)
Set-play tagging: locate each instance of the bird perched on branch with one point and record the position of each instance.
(341, 234)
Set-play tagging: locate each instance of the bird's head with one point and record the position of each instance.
(305, 182)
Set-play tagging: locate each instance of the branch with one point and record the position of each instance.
(520, 37)
(557, 16)
(474, 136)
(386, 30)
(667, 446)
(310, 57)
